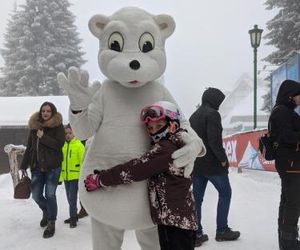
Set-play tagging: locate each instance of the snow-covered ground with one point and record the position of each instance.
(253, 211)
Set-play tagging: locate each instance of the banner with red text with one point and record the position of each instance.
(242, 151)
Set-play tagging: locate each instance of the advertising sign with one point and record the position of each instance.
(292, 70)
(289, 70)
(242, 151)
(278, 76)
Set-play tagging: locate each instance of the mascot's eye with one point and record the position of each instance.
(116, 42)
(146, 42)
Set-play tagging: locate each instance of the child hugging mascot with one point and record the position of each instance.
(132, 57)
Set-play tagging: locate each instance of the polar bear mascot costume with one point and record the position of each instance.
(132, 57)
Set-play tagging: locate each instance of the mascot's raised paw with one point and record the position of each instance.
(77, 87)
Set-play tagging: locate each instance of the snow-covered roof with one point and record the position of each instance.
(245, 105)
(237, 110)
(15, 111)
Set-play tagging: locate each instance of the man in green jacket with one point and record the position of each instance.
(73, 153)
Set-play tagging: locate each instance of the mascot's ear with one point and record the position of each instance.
(166, 24)
(97, 24)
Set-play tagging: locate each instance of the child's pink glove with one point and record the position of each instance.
(92, 181)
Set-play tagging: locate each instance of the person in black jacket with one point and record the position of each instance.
(284, 124)
(43, 155)
(213, 167)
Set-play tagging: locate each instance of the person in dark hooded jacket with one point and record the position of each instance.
(213, 167)
(284, 124)
(43, 155)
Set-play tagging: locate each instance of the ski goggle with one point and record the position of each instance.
(155, 113)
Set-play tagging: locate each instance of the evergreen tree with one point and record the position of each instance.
(284, 30)
(40, 41)
(284, 34)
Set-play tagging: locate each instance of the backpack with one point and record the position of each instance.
(266, 144)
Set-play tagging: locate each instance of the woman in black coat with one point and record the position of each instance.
(44, 156)
(284, 124)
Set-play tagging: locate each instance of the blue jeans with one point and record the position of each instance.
(221, 183)
(71, 192)
(49, 181)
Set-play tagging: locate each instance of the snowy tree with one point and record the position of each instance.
(284, 30)
(284, 34)
(40, 41)
(267, 105)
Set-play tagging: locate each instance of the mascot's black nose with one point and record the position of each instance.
(134, 64)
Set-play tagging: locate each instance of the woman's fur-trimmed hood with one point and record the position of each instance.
(54, 121)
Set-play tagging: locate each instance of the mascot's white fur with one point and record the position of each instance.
(132, 56)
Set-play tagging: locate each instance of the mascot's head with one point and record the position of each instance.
(132, 45)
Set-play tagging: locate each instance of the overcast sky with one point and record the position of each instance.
(210, 45)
